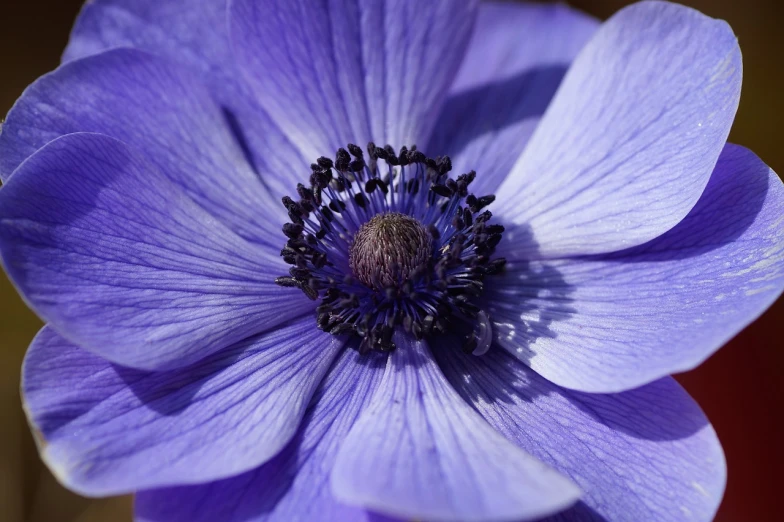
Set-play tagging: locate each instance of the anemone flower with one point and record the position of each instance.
(277, 285)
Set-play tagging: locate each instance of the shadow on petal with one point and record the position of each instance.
(171, 392)
(612, 322)
(632, 452)
(579, 512)
(709, 225)
(499, 380)
(287, 487)
(528, 297)
(487, 108)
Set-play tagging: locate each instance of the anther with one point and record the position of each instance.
(377, 268)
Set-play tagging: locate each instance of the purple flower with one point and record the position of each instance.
(188, 358)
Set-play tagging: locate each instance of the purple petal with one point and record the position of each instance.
(107, 429)
(294, 485)
(158, 108)
(330, 73)
(419, 451)
(191, 32)
(120, 261)
(644, 454)
(614, 322)
(628, 144)
(516, 59)
(194, 33)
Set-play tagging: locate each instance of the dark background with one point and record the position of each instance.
(740, 388)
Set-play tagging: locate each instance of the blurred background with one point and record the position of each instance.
(741, 388)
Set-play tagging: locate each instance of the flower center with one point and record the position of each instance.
(389, 249)
(392, 242)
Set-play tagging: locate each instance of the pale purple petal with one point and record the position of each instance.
(614, 322)
(514, 63)
(159, 108)
(191, 32)
(644, 454)
(419, 451)
(194, 33)
(120, 261)
(106, 429)
(628, 144)
(295, 484)
(351, 71)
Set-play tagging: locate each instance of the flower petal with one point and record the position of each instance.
(418, 451)
(121, 262)
(628, 144)
(293, 485)
(644, 454)
(188, 31)
(354, 71)
(194, 33)
(160, 109)
(516, 59)
(107, 429)
(614, 322)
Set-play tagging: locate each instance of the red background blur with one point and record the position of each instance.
(740, 388)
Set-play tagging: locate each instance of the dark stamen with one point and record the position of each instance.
(399, 245)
